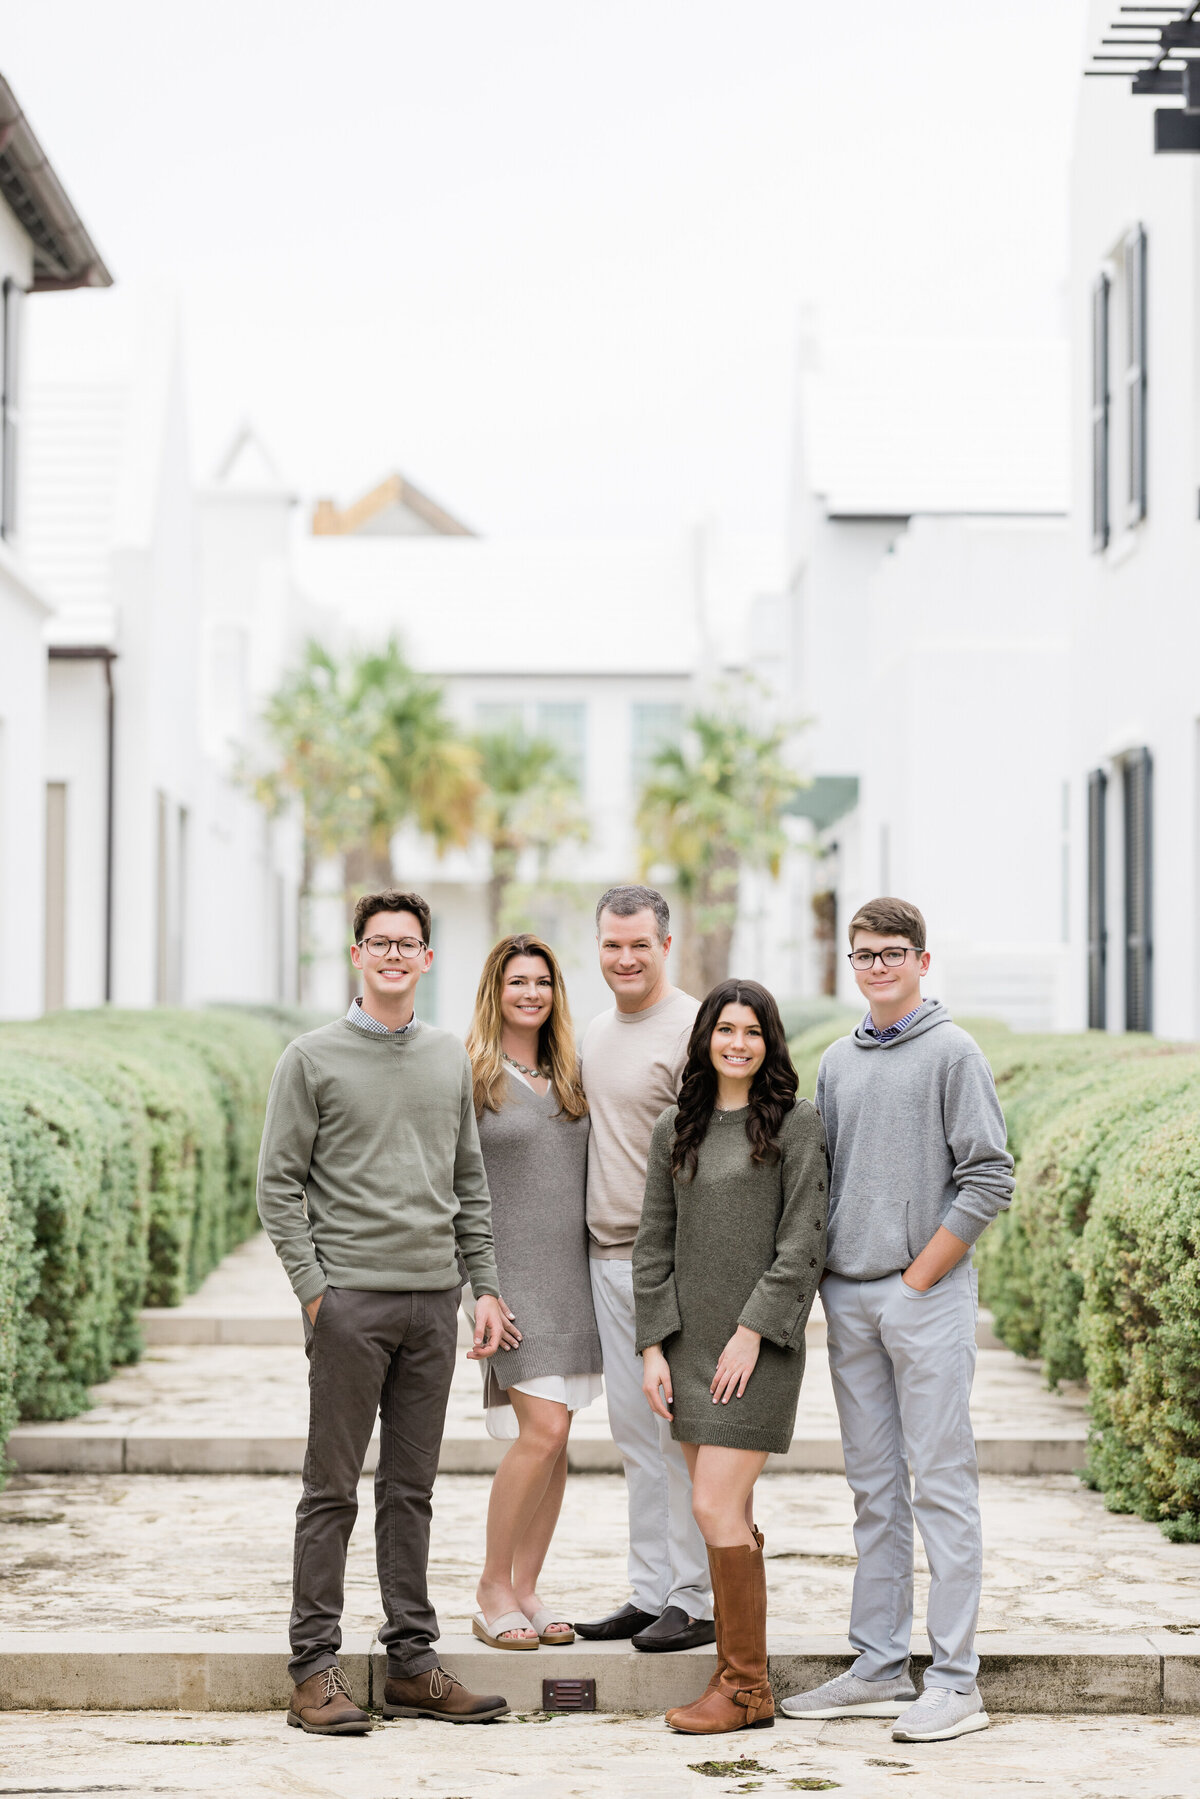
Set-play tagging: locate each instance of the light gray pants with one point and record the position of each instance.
(668, 1563)
(902, 1364)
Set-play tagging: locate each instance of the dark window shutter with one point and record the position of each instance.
(1100, 412)
(1097, 923)
(10, 409)
(1136, 780)
(1135, 374)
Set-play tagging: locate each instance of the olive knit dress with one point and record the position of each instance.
(739, 1243)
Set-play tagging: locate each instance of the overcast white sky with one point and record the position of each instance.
(548, 257)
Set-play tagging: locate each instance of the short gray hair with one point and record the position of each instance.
(624, 902)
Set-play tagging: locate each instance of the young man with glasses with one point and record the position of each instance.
(916, 1142)
(371, 1187)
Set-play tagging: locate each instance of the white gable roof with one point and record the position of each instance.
(481, 606)
(904, 425)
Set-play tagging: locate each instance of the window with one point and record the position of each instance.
(10, 409)
(1136, 785)
(1119, 330)
(495, 718)
(562, 723)
(1134, 295)
(565, 726)
(656, 726)
(1100, 413)
(1097, 927)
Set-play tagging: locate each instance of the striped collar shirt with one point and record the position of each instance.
(892, 1031)
(365, 1022)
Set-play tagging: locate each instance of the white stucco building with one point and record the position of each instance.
(929, 579)
(1135, 541)
(44, 248)
(163, 639)
(603, 647)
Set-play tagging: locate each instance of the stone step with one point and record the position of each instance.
(57, 1449)
(175, 1326)
(186, 1671)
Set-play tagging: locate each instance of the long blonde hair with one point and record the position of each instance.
(556, 1039)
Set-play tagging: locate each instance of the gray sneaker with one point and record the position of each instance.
(939, 1713)
(846, 1696)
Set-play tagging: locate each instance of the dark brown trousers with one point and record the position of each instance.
(391, 1356)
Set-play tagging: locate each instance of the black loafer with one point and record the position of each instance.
(625, 1623)
(675, 1630)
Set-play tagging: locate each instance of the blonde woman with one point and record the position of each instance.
(533, 1131)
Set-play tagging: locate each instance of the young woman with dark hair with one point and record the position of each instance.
(728, 1256)
(533, 1132)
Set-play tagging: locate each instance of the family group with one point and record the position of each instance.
(653, 1214)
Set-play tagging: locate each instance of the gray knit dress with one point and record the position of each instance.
(740, 1243)
(536, 1164)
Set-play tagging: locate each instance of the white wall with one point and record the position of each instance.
(22, 794)
(963, 732)
(22, 735)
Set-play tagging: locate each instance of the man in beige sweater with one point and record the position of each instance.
(633, 1060)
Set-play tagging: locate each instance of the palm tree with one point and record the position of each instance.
(711, 805)
(529, 801)
(363, 744)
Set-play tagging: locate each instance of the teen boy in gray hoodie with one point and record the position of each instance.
(916, 1142)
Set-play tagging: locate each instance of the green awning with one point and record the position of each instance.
(826, 799)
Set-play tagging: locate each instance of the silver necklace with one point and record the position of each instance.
(535, 1074)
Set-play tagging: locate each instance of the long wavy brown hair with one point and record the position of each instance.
(556, 1039)
(772, 1091)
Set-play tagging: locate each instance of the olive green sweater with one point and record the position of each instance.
(740, 1243)
(370, 1173)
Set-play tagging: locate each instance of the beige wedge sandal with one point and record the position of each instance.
(541, 1622)
(493, 1633)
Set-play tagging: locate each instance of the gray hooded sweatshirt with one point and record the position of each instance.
(916, 1139)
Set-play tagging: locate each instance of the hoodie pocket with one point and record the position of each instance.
(888, 1245)
(868, 1236)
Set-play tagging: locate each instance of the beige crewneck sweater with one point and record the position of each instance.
(632, 1065)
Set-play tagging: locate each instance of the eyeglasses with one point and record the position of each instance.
(862, 959)
(408, 947)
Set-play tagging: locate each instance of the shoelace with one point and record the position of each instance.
(335, 1683)
(440, 1682)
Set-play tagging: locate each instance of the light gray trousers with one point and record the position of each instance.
(902, 1364)
(668, 1563)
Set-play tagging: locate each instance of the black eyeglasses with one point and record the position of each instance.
(862, 959)
(378, 947)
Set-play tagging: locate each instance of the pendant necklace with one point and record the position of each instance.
(536, 1074)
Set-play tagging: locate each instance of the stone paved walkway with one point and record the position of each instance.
(213, 1552)
(212, 1755)
(242, 1388)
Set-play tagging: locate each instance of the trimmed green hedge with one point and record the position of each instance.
(128, 1144)
(1096, 1266)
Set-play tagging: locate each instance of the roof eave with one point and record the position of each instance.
(64, 255)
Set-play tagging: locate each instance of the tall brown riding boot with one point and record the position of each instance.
(742, 1698)
(715, 1680)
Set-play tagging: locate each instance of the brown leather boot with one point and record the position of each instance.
(324, 1705)
(742, 1698)
(715, 1681)
(439, 1694)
